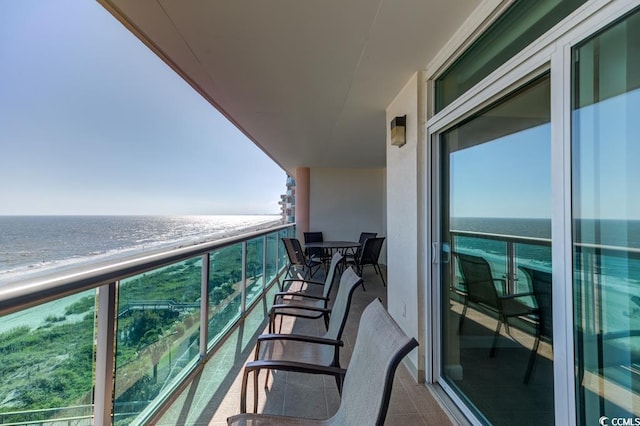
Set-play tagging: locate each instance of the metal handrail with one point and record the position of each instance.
(631, 252)
(27, 292)
(503, 237)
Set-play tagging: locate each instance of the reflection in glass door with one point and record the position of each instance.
(606, 222)
(495, 192)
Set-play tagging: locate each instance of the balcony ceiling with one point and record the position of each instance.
(307, 81)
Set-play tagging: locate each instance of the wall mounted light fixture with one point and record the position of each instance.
(398, 131)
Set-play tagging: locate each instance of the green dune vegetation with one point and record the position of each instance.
(47, 371)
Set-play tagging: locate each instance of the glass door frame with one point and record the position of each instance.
(551, 53)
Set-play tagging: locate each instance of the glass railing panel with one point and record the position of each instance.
(157, 334)
(255, 269)
(272, 257)
(46, 362)
(225, 290)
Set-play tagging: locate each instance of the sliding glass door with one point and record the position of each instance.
(495, 212)
(606, 222)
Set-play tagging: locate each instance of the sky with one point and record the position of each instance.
(511, 176)
(92, 122)
(508, 177)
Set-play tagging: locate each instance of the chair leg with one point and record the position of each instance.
(462, 316)
(533, 356)
(492, 352)
(359, 270)
(506, 326)
(243, 392)
(339, 384)
(377, 267)
(255, 391)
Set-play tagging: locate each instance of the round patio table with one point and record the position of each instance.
(333, 245)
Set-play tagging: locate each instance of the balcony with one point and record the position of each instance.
(171, 332)
(184, 323)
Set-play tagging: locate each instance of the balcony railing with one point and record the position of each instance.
(505, 253)
(109, 342)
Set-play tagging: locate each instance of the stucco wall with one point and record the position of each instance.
(402, 216)
(346, 201)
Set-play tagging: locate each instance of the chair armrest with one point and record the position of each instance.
(304, 281)
(300, 338)
(298, 294)
(298, 367)
(297, 310)
(296, 306)
(282, 294)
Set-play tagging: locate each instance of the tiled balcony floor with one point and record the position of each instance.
(215, 393)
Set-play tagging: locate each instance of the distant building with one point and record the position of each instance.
(288, 202)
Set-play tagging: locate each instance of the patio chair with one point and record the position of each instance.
(297, 260)
(296, 303)
(369, 256)
(367, 382)
(276, 351)
(351, 257)
(314, 237)
(541, 284)
(481, 290)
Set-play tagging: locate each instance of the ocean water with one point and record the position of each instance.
(33, 243)
(606, 232)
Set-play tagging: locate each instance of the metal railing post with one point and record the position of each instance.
(105, 354)
(244, 278)
(277, 253)
(204, 305)
(512, 274)
(265, 238)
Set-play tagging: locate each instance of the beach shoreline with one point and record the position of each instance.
(37, 268)
(36, 316)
